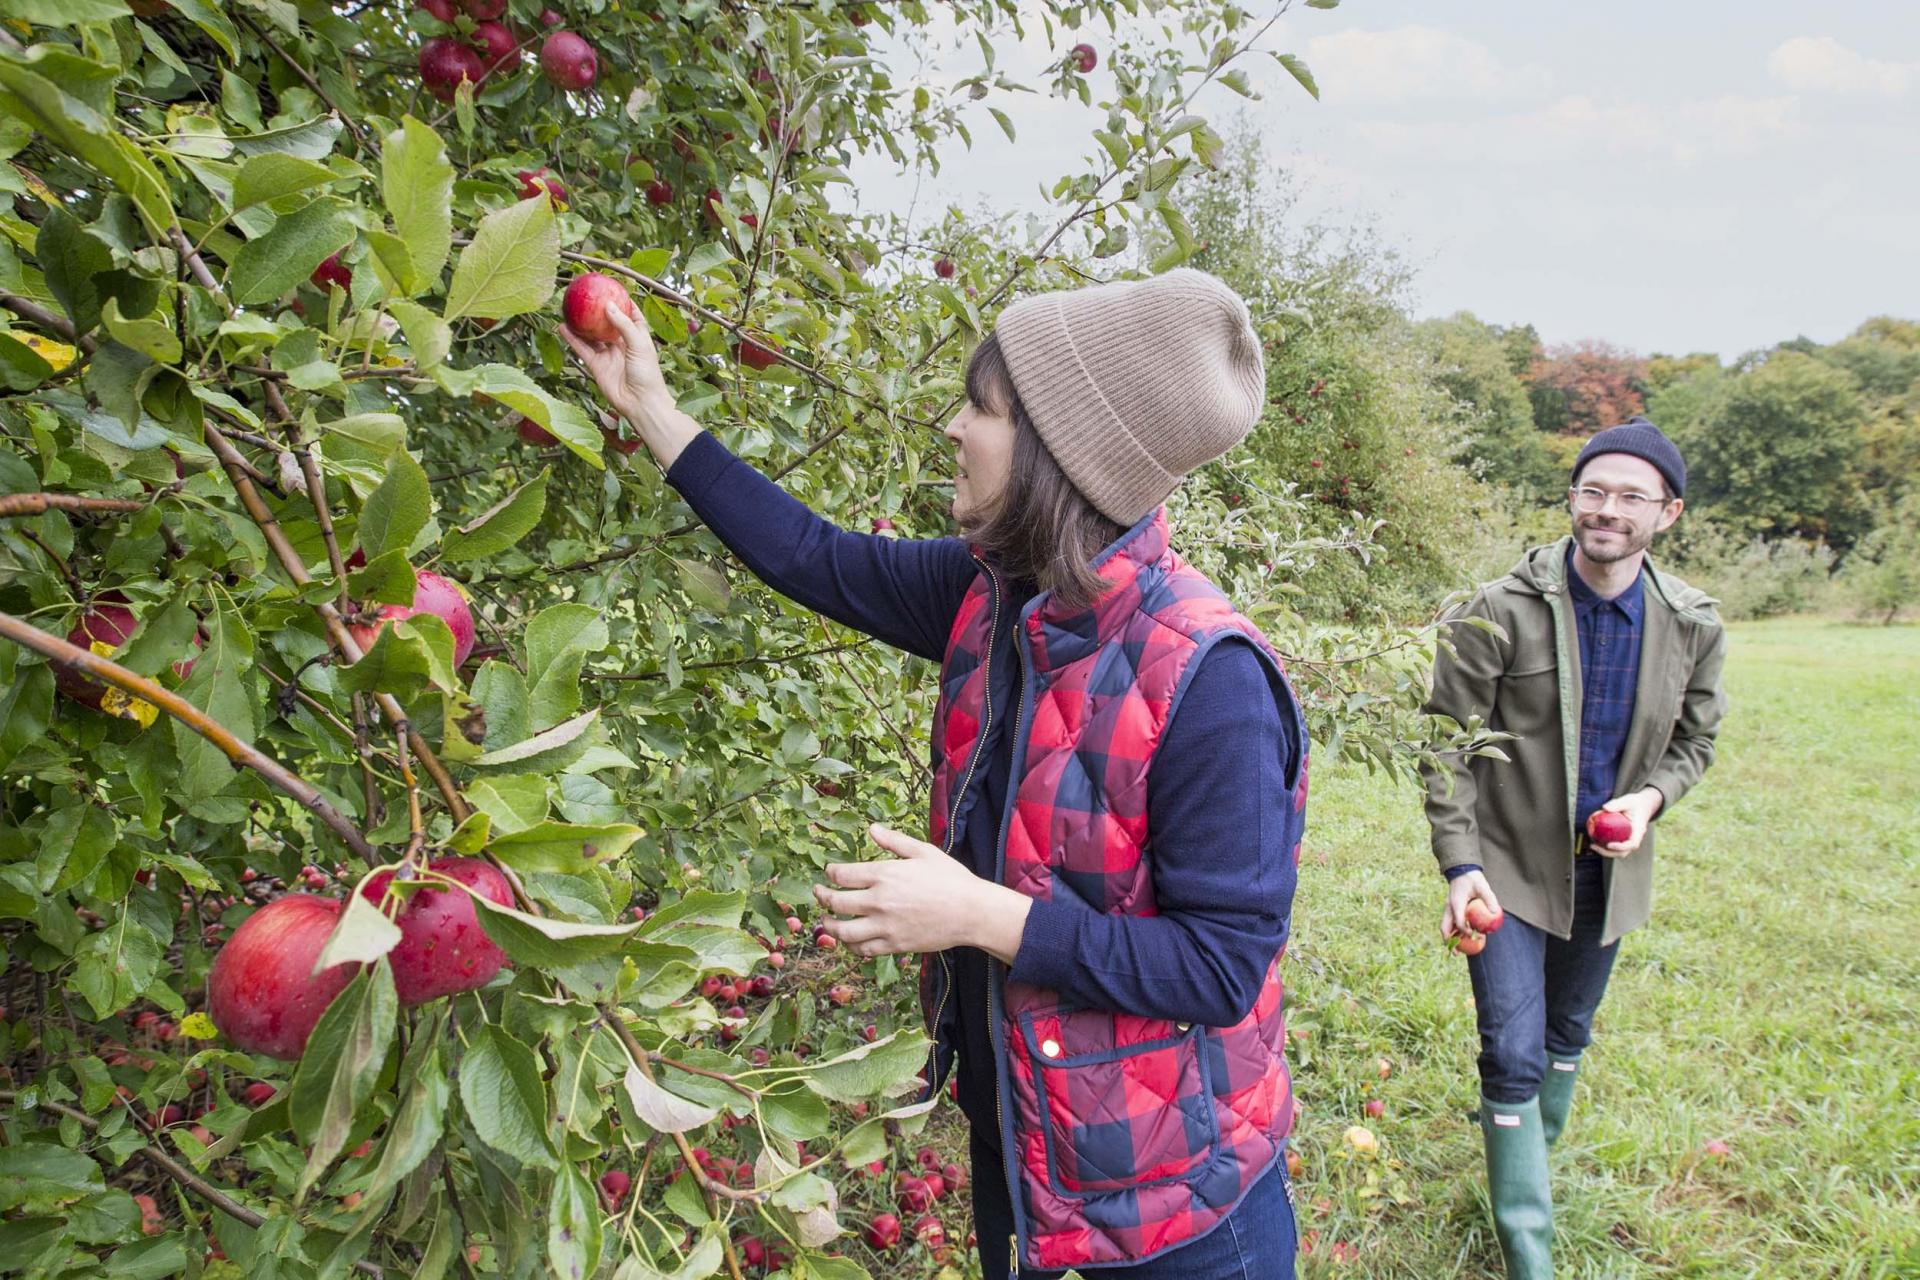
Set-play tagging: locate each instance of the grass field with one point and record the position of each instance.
(1773, 1005)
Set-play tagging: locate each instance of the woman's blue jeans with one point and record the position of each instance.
(1254, 1242)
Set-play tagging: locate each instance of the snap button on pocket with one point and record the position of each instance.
(1049, 1048)
(1183, 1027)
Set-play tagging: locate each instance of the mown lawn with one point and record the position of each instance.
(1773, 1005)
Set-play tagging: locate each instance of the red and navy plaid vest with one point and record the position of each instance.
(1124, 1135)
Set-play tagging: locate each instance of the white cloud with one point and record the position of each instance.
(1683, 132)
(1821, 64)
(1414, 62)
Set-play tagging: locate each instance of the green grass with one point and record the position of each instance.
(1773, 1004)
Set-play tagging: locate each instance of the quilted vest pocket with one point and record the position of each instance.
(1124, 1098)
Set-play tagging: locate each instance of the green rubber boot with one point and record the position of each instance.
(1517, 1186)
(1556, 1095)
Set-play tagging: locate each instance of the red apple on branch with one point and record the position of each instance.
(262, 992)
(444, 63)
(568, 62)
(533, 433)
(499, 51)
(431, 594)
(442, 948)
(1084, 57)
(756, 355)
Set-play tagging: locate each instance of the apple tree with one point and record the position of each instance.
(407, 812)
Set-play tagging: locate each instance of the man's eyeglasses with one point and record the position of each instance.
(1589, 500)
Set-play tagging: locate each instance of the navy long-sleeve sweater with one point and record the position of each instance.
(1220, 813)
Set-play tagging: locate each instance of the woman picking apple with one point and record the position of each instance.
(1120, 777)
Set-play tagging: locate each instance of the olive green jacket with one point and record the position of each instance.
(1515, 818)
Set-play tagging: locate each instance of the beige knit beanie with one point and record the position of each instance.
(1136, 383)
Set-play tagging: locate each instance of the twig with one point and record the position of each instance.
(34, 313)
(417, 832)
(906, 743)
(765, 660)
(240, 753)
(33, 504)
(175, 1170)
(692, 1070)
(375, 811)
(336, 625)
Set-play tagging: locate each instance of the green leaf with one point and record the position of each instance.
(822, 1266)
(66, 13)
(545, 942)
(388, 578)
(337, 1073)
(705, 585)
(424, 1091)
(416, 182)
(565, 847)
(1000, 117)
(700, 906)
(500, 526)
(723, 948)
(428, 336)
(222, 686)
(21, 367)
(381, 432)
(665, 1111)
(149, 1259)
(39, 1177)
(30, 90)
(501, 1090)
(573, 1224)
(871, 1070)
(150, 337)
(286, 256)
(310, 140)
(72, 259)
(164, 638)
(559, 640)
(511, 265)
(561, 735)
(1298, 68)
(399, 509)
(517, 391)
(514, 802)
(708, 257)
(406, 656)
(275, 174)
(362, 935)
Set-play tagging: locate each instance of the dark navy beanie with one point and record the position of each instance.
(1643, 440)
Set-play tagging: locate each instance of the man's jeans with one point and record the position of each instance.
(1535, 994)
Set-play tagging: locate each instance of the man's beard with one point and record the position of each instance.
(1630, 541)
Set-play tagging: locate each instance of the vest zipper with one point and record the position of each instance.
(953, 814)
(994, 1032)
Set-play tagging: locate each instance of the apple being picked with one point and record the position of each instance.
(431, 594)
(442, 948)
(584, 307)
(262, 991)
(1608, 827)
(1484, 919)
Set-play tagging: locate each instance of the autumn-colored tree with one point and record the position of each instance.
(1581, 387)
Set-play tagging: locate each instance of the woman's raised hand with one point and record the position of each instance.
(628, 374)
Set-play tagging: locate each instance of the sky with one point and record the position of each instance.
(1691, 175)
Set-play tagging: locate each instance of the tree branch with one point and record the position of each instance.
(34, 313)
(33, 504)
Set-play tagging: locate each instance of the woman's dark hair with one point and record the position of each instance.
(1040, 527)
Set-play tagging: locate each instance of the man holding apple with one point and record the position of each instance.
(1606, 671)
